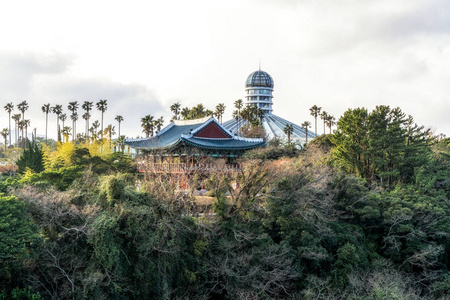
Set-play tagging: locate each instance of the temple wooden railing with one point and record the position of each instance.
(180, 168)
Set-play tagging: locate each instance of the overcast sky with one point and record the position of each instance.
(142, 56)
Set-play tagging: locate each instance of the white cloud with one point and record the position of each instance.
(143, 56)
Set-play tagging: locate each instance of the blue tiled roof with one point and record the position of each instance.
(228, 144)
(180, 132)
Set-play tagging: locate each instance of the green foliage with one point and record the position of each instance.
(60, 178)
(323, 142)
(382, 145)
(19, 237)
(20, 294)
(292, 228)
(441, 288)
(272, 153)
(7, 183)
(112, 190)
(31, 158)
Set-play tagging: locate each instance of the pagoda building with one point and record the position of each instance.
(190, 146)
(258, 91)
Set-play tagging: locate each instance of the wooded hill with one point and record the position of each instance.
(363, 213)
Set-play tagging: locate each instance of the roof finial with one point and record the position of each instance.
(260, 64)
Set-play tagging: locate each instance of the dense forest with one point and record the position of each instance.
(362, 213)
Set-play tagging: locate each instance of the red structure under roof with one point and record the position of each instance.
(212, 131)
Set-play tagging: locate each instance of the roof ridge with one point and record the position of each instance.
(191, 122)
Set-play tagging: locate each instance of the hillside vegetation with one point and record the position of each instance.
(363, 213)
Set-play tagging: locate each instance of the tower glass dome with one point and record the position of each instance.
(259, 88)
(259, 79)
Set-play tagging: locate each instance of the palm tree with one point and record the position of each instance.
(16, 119)
(23, 125)
(63, 118)
(220, 110)
(236, 116)
(315, 112)
(330, 122)
(146, 124)
(185, 112)
(87, 106)
(324, 116)
(305, 125)
(74, 118)
(110, 131)
(86, 117)
(66, 132)
(5, 133)
(73, 107)
(23, 107)
(94, 129)
(260, 114)
(238, 104)
(159, 123)
(175, 108)
(198, 112)
(57, 109)
(102, 106)
(46, 109)
(119, 119)
(9, 108)
(27, 124)
(288, 130)
(121, 142)
(20, 127)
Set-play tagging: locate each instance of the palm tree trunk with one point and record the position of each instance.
(10, 128)
(87, 129)
(315, 124)
(58, 133)
(46, 126)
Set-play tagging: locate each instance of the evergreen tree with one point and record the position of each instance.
(32, 158)
(383, 145)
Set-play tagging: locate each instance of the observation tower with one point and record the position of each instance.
(258, 91)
